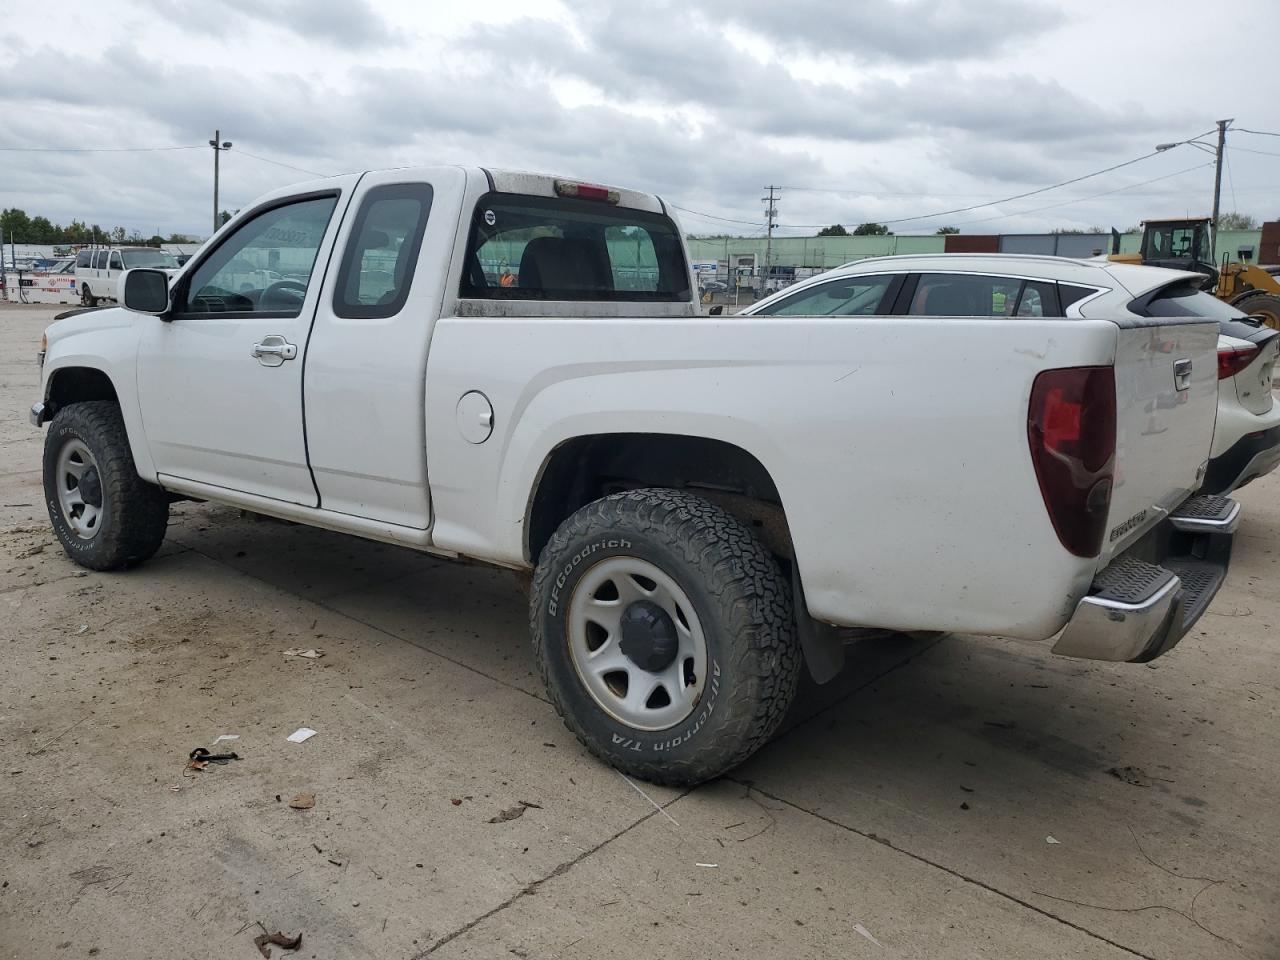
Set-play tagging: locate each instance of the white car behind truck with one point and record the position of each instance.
(514, 369)
(98, 270)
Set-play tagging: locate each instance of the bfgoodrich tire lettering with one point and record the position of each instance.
(742, 604)
(132, 513)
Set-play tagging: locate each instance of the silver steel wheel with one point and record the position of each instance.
(79, 487)
(636, 643)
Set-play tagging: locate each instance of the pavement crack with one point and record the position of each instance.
(530, 888)
(920, 858)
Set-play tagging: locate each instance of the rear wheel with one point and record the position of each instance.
(664, 633)
(87, 298)
(1260, 304)
(104, 514)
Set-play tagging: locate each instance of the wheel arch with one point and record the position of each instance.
(76, 384)
(582, 469)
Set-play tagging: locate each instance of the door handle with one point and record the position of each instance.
(273, 351)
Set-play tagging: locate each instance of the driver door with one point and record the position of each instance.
(221, 381)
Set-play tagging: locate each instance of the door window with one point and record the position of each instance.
(115, 263)
(382, 251)
(100, 260)
(964, 295)
(265, 265)
(84, 260)
(844, 297)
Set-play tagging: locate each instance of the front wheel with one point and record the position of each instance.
(665, 634)
(104, 514)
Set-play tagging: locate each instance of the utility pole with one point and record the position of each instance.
(1217, 188)
(771, 214)
(218, 145)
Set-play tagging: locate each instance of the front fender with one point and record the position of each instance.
(107, 341)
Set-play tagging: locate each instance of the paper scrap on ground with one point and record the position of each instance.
(310, 654)
(863, 931)
(226, 736)
(1051, 840)
(303, 801)
(301, 734)
(707, 864)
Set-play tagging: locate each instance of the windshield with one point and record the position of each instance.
(149, 258)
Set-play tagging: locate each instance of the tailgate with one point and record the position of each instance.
(1166, 374)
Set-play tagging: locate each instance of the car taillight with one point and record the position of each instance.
(1231, 360)
(586, 191)
(1071, 427)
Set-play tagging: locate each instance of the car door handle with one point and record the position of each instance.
(273, 351)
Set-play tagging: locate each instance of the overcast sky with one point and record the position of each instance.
(859, 110)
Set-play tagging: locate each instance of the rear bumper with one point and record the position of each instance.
(1146, 600)
(1247, 459)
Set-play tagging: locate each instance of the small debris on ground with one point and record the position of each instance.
(862, 931)
(511, 813)
(1134, 776)
(199, 758)
(278, 939)
(303, 801)
(309, 654)
(706, 864)
(300, 735)
(1051, 840)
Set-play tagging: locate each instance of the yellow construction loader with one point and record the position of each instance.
(1185, 245)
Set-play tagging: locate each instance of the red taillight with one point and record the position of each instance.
(585, 191)
(1071, 427)
(1231, 360)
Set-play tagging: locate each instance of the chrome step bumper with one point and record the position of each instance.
(1144, 602)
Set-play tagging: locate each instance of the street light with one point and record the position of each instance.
(219, 145)
(1217, 175)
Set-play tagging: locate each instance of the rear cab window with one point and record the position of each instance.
(382, 252)
(543, 248)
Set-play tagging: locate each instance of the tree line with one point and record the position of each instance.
(20, 228)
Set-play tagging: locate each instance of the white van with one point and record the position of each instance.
(98, 270)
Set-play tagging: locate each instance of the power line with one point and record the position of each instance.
(712, 216)
(1260, 133)
(1261, 153)
(287, 166)
(1095, 196)
(1019, 196)
(197, 146)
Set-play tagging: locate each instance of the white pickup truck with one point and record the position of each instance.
(515, 369)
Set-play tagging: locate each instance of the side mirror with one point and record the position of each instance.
(146, 291)
(716, 310)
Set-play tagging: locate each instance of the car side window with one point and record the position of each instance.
(265, 265)
(100, 260)
(115, 263)
(1038, 299)
(84, 260)
(382, 251)
(964, 295)
(841, 297)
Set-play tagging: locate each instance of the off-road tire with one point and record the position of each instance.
(742, 601)
(1262, 304)
(135, 512)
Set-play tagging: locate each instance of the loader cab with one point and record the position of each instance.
(1179, 245)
